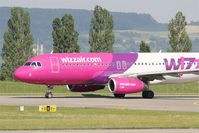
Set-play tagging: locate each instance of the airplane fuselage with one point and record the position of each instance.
(124, 72)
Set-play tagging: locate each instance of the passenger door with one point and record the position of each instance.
(54, 64)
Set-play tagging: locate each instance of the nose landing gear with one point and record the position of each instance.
(49, 93)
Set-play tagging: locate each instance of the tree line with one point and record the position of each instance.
(18, 39)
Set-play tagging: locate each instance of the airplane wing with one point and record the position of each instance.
(159, 75)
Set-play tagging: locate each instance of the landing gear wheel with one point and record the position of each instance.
(148, 94)
(119, 95)
(48, 95)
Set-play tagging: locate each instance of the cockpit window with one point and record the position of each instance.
(38, 64)
(27, 63)
(35, 64)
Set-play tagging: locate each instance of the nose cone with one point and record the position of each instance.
(20, 74)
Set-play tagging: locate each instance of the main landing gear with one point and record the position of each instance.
(49, 93)
(148, 94)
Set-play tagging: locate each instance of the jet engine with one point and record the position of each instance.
(125, 85)
(84, 88)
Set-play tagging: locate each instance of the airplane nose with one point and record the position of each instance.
(16, 74)
(19, 74)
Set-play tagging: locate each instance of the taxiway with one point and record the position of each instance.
(166, 103)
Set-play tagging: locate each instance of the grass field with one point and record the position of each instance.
(18, 88)
(86, 118)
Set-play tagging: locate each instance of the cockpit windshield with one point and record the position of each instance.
(35, 64)
(27, 64)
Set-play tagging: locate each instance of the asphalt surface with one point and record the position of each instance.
(167, 103)
(114, 131)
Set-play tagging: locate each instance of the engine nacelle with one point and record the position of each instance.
(84, 88)
(125, 85)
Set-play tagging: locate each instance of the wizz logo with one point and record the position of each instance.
(181, 63)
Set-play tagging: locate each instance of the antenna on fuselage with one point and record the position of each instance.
(160, 51)
(51, 52)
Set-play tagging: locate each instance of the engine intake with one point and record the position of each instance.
(125, 85)
(84, 88)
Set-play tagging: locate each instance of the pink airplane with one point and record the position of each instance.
(124, 73)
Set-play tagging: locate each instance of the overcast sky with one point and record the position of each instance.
(161, 10)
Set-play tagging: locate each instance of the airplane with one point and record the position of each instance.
(124, 73)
